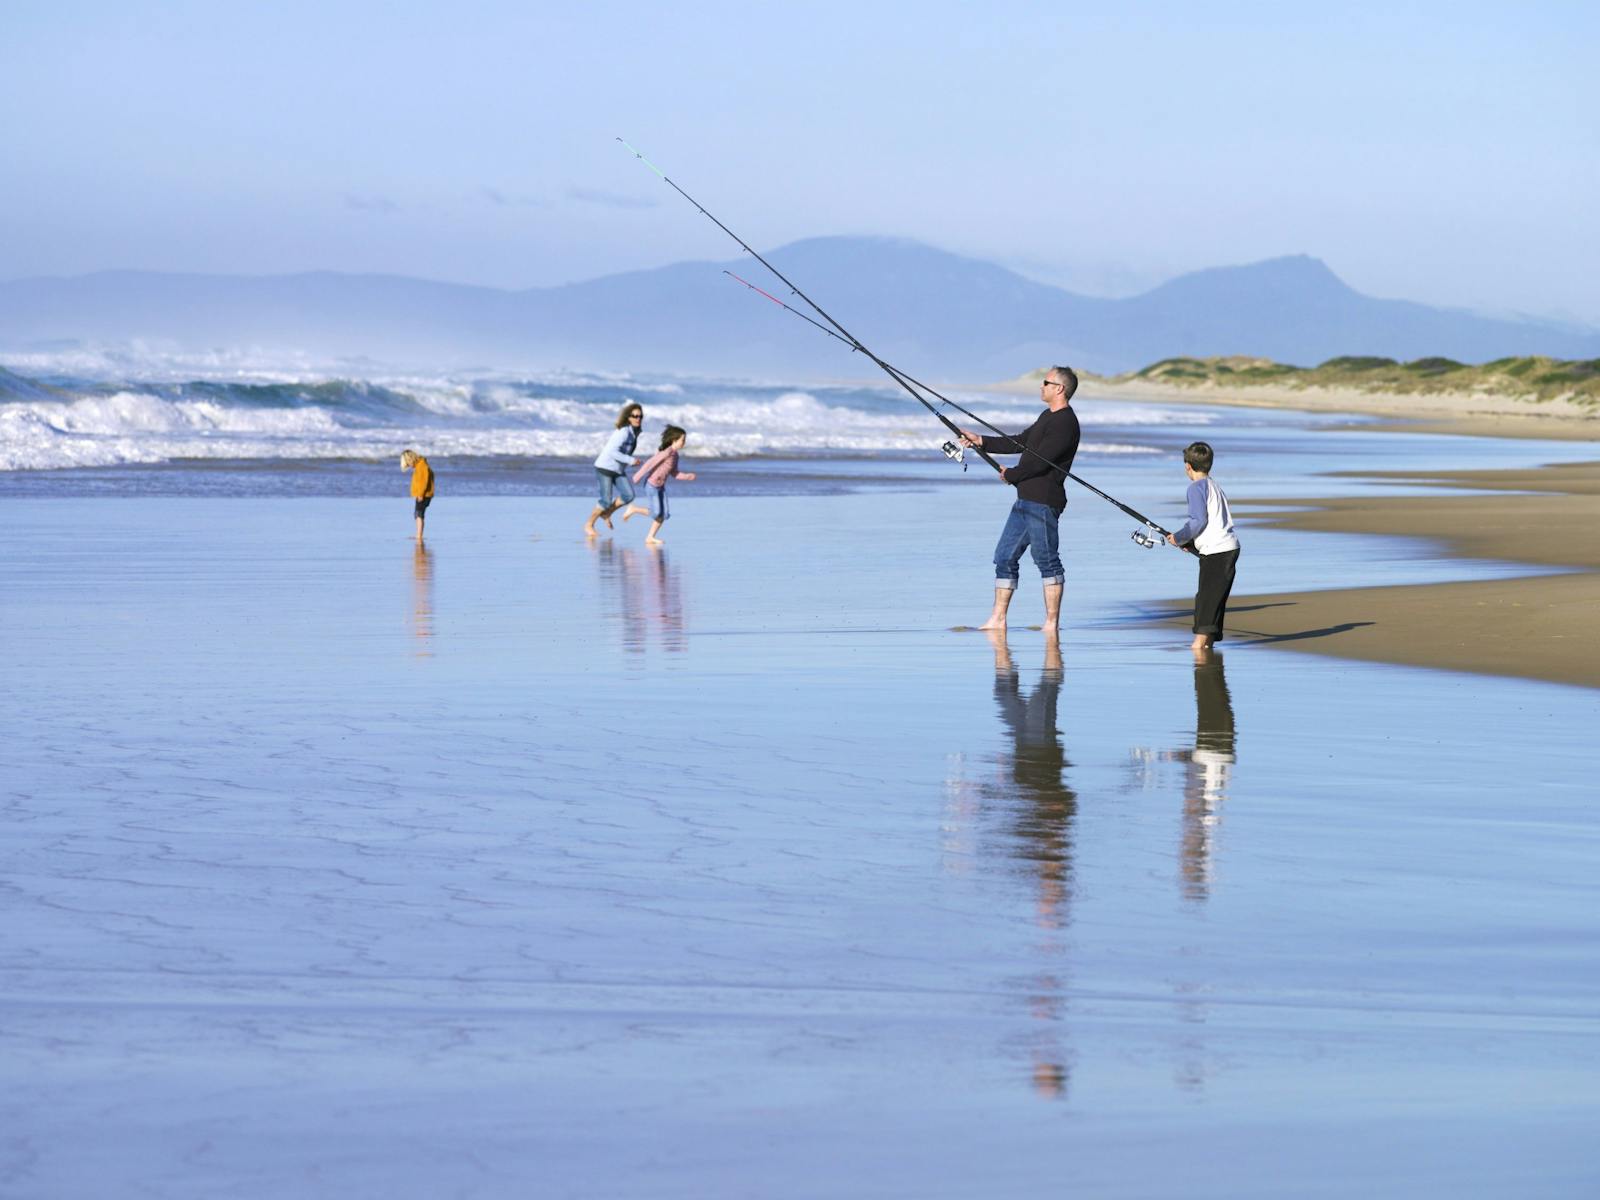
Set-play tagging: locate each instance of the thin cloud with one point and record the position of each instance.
(608, 199)
(370, 203)
(508, 199)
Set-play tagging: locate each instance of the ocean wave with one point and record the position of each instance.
(62, 421)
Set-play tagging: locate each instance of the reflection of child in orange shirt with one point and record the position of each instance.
(657, 469)
(421, 484)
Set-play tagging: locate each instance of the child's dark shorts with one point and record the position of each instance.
(422, 505)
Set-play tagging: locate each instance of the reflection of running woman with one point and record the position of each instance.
(660, 467)
(421, 485)
(611, 468)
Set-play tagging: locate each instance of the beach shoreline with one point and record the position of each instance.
(1460, 414)
(1537, 626)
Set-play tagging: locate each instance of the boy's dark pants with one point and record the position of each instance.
(1216, 581)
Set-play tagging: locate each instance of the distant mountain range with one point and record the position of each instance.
(937, 315)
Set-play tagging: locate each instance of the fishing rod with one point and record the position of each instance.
(953, 450)
(843, 334)
(1139, 535)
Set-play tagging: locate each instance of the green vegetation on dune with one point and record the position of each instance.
(1533, 379)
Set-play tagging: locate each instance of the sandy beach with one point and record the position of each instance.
(1538, 627)
(1466, 415)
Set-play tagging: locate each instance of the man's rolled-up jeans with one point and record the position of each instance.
(1034, 527)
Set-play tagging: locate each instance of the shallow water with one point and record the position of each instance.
(531, 866)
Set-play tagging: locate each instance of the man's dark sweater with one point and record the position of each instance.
(1053, 438)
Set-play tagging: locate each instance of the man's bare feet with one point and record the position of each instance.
(997, 615)
(589, 529)
(649, 541)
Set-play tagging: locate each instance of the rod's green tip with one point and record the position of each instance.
(642, 158)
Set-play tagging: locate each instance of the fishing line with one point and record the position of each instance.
(1142, 538)
(910, 385)
(845, 334)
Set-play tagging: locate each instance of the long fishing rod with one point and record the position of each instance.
(952, 450)
(1139, 536)
(905, 381)
(844, 334)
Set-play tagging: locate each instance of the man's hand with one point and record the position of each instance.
(968, 438)
(1003, 471)
(1171, 540)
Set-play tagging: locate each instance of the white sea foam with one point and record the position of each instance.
(239, 408)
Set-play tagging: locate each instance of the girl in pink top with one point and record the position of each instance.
(657, 469)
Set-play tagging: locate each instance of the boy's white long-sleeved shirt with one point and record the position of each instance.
(1210, 523)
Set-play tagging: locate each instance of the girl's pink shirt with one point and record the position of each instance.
(660, 467)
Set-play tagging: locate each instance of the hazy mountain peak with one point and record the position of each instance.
(935, 313)
(1298, 274)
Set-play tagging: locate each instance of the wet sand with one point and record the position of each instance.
(1537, 627)
(335, 868)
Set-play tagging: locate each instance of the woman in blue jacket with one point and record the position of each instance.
(612, 467)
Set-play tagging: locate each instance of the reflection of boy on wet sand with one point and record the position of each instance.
(1206, 771)
(1207, 767)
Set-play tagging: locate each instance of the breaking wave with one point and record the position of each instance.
(81, 412)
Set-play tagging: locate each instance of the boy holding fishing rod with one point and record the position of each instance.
(1209, 530)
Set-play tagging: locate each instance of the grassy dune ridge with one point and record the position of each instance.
(1535, 380)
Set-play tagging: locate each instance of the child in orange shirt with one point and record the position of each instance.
(421, 484)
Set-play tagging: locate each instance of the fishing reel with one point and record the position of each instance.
(955, 453)
(1145, 539)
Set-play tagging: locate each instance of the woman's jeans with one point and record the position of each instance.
(611, 481)
(1032, 527)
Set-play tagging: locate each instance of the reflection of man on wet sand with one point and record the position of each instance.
(1047, 806)
(1044, 810)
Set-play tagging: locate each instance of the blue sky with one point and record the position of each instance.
(1448, 153)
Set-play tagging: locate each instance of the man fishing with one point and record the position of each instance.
(1047, 448)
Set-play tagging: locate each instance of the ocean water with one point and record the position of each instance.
(85, 423)
(51, 418)
(522, 864)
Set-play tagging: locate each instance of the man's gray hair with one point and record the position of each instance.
(1068, 378)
